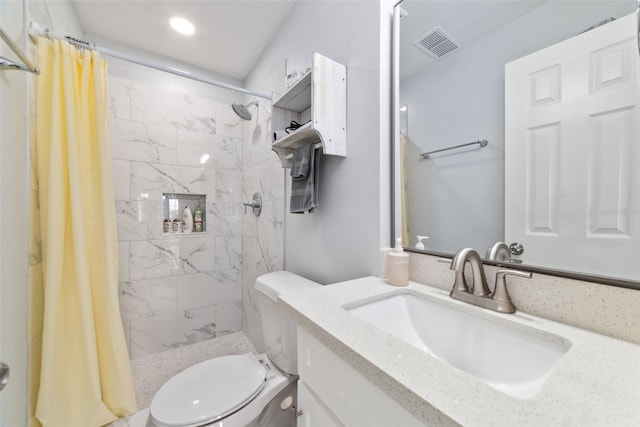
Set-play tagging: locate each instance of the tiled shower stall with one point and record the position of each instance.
(179, 289)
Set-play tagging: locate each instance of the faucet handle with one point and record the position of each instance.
(255, 204)
(501, 293)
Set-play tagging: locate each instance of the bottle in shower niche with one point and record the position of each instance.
(175, 225)
(398, 266)
(197, 220)
(187, 220)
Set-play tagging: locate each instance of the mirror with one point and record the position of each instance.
(557, 173)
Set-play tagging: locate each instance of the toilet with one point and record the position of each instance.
(241, 390)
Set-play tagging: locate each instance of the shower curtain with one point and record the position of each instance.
(84, 372)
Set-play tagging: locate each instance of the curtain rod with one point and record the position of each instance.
(36, 30)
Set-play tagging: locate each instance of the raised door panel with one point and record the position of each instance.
(541, 191)
(609, 191)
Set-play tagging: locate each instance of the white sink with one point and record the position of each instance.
(516, 360)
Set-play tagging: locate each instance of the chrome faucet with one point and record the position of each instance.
(479, 286)
(478, 293)
(499, 251)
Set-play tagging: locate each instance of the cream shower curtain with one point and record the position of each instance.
(85, 376)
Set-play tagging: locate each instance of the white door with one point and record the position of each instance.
(13, 221)
(572, 185)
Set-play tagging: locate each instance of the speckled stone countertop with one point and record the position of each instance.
(596, 383)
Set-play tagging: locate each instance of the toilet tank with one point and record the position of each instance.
(278, 328)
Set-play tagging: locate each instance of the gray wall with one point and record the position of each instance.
(342, 238)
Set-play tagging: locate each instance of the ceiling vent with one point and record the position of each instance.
(437, 43)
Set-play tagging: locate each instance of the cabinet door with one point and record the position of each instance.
(345, 393)
(314, 412)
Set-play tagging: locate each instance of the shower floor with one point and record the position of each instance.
(151, 372)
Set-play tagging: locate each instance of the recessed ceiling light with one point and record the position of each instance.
(182, 26)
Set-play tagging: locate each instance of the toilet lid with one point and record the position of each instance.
(208, 391)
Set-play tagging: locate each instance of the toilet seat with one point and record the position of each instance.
(191, 398)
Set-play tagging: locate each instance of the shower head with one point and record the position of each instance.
(243, 110)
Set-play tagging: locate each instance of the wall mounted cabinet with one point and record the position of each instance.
(318, 101)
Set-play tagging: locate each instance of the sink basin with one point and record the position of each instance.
(516, 360)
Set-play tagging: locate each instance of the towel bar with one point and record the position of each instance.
(290, 156)
(483, 143)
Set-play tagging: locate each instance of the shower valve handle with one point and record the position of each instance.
(251, 205)
(255, 204)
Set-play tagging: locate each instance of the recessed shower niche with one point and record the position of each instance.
(173, 208)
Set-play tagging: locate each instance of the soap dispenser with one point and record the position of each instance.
(398, 266)
(420, 245)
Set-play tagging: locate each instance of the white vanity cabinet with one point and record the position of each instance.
(332, 393)
(318, 101)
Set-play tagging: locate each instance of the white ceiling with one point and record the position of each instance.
(229, 39)
(231, 34)
(464, 21)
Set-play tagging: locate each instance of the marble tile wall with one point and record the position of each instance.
(263, 237)
(176, 289)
